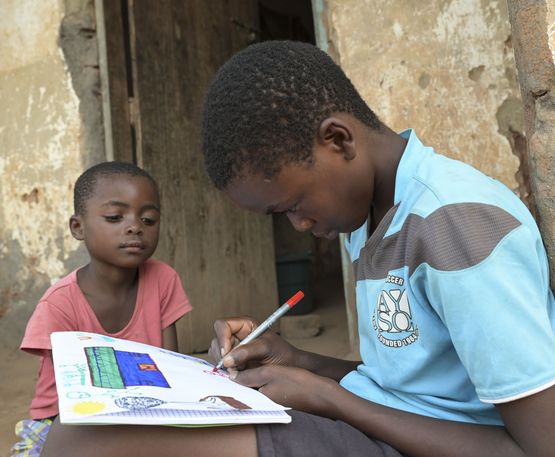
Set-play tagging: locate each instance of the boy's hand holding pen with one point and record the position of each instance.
(260, 329)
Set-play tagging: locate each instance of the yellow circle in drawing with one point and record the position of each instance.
(88, 407)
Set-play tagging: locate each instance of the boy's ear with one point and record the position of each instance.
(76, 227)
(338, 135)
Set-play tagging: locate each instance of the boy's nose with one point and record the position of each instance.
(134, 228)
(299, 223)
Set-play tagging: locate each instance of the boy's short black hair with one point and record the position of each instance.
(264, 107)
(86, 183)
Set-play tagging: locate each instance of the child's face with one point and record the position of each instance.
(122, 221)
(328, 197)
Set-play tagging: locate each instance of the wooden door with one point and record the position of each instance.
(224, 255)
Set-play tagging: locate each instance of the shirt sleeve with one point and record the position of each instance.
(174, 301)
(500, 316)
(46, 319)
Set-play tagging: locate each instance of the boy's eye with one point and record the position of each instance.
(113, 217)
(148, 221)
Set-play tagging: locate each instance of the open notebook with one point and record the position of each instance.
(105, 380)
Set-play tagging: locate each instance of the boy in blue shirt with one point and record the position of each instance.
(456, 318)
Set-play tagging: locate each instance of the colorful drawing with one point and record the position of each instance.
(126, 382)
(210, 402)
(77, 395)
(119, 369)
(217, 372)
(114, 393)
(138, 402)
(88, 407)
(224, 401)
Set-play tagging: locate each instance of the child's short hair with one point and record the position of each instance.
(265, 104)
(85, 184)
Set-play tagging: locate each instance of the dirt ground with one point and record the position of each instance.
(17, 387)
(16, 392)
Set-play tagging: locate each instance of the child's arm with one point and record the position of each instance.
(174, 303)
(169, 338)
(170, 305)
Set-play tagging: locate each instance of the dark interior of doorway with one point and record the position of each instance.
(302, 261)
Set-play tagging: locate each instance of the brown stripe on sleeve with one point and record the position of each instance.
(452, 238)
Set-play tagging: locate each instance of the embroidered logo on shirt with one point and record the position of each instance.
(392, 318)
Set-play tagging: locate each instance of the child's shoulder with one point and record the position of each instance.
(158, 270)
(159, 277)
(63, 286)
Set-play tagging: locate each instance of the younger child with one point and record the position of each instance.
(120, 292)
(456, 318)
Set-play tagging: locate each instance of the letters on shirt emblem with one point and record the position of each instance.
(392, 319)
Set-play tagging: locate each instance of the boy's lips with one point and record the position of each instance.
(132, 245)
(332, 234)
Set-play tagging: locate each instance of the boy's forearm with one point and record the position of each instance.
(421, 436)
(328, 367)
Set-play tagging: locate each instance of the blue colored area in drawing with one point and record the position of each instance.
(107, 338)
(138, 369)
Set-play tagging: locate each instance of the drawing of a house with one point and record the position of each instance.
(111, 369)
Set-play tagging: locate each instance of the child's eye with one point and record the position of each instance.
(148, 221)
(113, 218)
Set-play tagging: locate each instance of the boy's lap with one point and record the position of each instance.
(306, 436)
(313, 436)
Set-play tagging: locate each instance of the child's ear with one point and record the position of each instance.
(337, 134)
(76, 227)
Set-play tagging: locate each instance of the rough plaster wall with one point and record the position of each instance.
(533, 25)
(445, 68)
(44, 149)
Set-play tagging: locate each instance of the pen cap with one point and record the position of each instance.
(295, 299)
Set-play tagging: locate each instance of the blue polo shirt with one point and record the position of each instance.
(454, 307)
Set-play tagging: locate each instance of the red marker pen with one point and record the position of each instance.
(268, 322)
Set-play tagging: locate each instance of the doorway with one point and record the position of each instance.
(158, 62)
(300, 257)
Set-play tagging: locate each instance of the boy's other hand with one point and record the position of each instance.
(296, 388)
(269, 348)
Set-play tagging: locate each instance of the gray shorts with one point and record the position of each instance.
(314, 436)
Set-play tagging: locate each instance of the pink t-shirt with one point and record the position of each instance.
(161, 301)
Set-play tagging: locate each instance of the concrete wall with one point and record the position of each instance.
(443, 67)
(47, 60)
